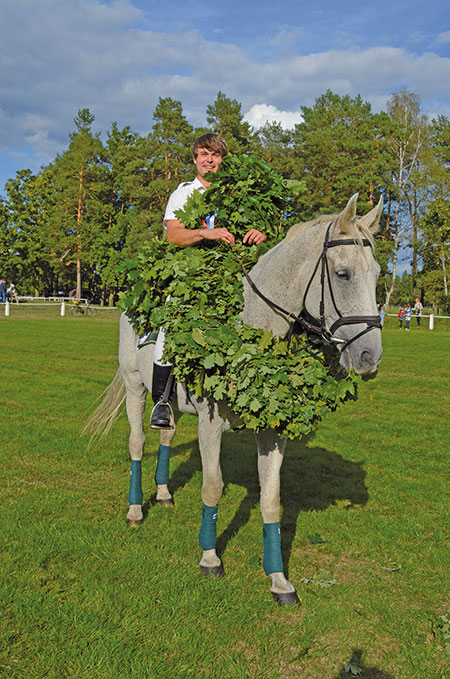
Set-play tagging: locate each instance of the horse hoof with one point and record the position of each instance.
(166, 503)
(134, 522)
(215, 571)
(286, 598)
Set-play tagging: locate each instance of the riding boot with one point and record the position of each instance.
(163, 385)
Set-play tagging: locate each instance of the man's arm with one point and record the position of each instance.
(179, 235)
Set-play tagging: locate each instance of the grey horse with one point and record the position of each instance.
(336, 282)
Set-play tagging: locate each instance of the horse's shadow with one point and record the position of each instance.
(312, 478)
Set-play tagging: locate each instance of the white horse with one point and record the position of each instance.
(324, 269)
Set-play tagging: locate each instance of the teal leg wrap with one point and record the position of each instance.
(207, 533)
(135, 493)
(162, 468)
(272, 561)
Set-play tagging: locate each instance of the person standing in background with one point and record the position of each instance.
(418, 308)
(408, 313)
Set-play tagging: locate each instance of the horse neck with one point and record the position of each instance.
(281, 275)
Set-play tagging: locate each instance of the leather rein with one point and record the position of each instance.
(304, 321)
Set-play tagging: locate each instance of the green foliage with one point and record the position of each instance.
(197, 295)
(444, 304)
(29, 253)
(322, 578)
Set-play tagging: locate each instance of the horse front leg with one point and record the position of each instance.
(163, 495)
(210, 435)
(270, 458)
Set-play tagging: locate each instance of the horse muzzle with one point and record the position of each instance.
(363, 355)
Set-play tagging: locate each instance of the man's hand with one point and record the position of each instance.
(219, 234)
(254, 236)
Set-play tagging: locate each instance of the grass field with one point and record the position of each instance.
(365, 528)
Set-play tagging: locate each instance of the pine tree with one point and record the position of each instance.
(171, 142)
(225, 118)
(83, 207)
(337, 151)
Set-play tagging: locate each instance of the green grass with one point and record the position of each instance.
(365, 499)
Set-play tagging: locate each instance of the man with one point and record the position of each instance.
(208, 152)
(418, 308)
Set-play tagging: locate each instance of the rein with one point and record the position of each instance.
(304, 321)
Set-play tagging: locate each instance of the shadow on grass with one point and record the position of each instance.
(355, 668)
(312, 478)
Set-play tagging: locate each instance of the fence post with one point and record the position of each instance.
(431, 321)
(63, 308)
(6, 308)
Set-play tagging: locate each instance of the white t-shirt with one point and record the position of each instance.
(178, 198)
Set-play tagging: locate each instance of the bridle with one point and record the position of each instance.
(304, 321)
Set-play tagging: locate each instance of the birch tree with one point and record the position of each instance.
(407, 144)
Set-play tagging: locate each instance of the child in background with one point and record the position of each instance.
(401, 316)
(407, 315)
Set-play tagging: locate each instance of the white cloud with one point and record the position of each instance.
(444, 37)
(259, 114)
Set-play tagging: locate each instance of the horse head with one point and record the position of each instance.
(323, 276)
(348, 296)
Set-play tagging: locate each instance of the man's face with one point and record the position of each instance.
(207, 161)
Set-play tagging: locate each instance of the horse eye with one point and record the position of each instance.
(343, 274)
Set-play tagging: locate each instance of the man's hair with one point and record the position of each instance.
(212, 142)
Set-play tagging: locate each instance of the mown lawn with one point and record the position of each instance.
(365, 528)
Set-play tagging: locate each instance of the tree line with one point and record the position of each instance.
(70, 225)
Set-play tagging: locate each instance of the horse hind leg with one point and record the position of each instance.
(135, 406)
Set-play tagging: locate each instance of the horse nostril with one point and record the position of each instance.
(366, 358)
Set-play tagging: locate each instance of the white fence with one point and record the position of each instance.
(430, 317)
(61, 302)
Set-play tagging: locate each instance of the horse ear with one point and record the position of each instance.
(346, 217)
(371, 220)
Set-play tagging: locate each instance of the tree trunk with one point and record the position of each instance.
(79, 220)
(444, 272)
(394, 270)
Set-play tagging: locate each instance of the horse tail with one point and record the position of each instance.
(102, 419)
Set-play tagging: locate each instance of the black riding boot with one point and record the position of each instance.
(162, 392)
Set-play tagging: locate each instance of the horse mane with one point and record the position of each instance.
(356, 231)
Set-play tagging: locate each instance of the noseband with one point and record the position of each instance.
(304, 321)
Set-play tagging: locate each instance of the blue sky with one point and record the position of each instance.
(118, 57)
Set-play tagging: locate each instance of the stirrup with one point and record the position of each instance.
(165, 422)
